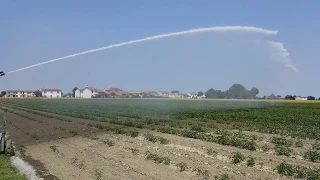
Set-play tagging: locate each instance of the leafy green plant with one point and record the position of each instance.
(222, 177)
(251, 162)
(74, 132)
(212, 152)
(53, 148)
(133, 133)
(237, 157)
(316, 146)
(203, 173)
(283, 150)
(154, 139)
(312, 155)
(151, 138)
(198, 128)
(299, 172)
(163, 140)
(299, 143)
(265, 148)
(108, 142)
(285, 169)
(281, 141)
(157, 159)
(119, 131)
(182, 166)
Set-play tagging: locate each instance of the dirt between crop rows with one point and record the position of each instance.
(84, 158)
(51, 148)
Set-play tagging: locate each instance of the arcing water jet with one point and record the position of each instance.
(213, 29)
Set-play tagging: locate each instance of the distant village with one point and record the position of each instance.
(236, 91)
(93, 92)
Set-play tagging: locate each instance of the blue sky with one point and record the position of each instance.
(37, 31)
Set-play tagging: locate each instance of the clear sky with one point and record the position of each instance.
(36, 31)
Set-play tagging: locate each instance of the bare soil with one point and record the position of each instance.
(56, 153)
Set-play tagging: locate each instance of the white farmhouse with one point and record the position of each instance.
(78, 93)
(51, 93)
(20, 93)
(87, 92)
(302, 98)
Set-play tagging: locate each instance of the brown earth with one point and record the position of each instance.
(56, 153)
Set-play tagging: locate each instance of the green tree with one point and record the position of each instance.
(175, 91)
(220, 94)
(237, 91)
(254, 91)
(200, 93)
(74, 91)
(3, 93)
(289, 97)
(311, 98)
(38, 93)
(210, 93)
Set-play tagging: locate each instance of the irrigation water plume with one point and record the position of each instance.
(213, 29)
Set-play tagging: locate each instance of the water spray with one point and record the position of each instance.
(200, 30)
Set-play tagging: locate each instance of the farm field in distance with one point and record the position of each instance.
(165, 138)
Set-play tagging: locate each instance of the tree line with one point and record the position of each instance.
(236, 91)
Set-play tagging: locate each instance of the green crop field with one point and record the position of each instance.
(287, 128)
(193, 117)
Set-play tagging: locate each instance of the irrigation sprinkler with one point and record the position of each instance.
(3, 137)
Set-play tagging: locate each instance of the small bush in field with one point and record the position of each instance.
(203, 173)
(265, 148)
(54, 148)
(74, 132)
(313, 156)
(222, 177)
(283, 150)
(108, 142)
(154, 139)
(299, 143)
(151, 138)
(157, 159)
(251, 162)
(211, 152)
(281, 141)
(237, 158)
(133, 133)
(163, 140)
(316, 146)
(182, 166)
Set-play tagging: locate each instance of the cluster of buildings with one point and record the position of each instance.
(49, 93)
(92, 92)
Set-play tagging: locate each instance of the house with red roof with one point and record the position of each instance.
(114, 92)
(302, 98)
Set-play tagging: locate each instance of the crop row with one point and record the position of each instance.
(290, 119)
